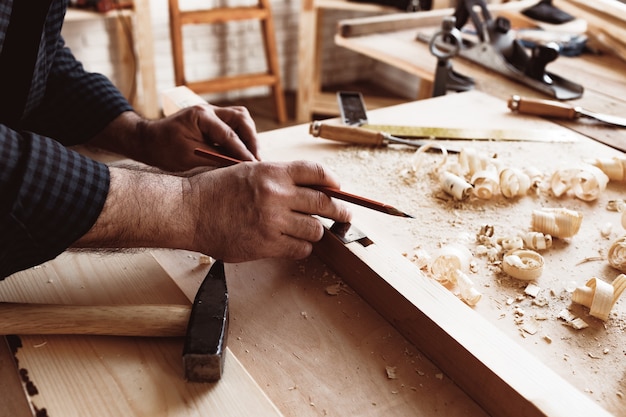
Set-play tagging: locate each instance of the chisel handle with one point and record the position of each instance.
(347, 134)
(160, 320)
(548, 108)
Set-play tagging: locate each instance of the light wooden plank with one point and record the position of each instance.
(119, 376)
(418, 307)
(316, 352)
(375, 173)
(494, 370)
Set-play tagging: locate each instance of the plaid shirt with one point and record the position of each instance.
(50, 195)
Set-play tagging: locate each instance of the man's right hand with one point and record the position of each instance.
(240, 213)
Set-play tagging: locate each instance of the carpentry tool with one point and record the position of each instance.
(446, 78)
(559, 110)
(223, 161)
(205, 324)
(498, 49)
(363, 136)
(205, 342)
(113, 320)
(354, 117)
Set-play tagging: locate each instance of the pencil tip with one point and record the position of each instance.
(395, 212)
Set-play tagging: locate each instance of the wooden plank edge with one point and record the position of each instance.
(15, 401)
(496, 372)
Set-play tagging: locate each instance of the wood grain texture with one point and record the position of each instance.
(494, 370)
(317, 348)
(118, 376)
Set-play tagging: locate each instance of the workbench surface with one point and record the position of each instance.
(312, 345)
(302, 343)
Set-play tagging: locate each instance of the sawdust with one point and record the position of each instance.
(381, 174)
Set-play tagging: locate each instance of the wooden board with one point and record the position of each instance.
(518, 377)
(117, 376)
(375, 173)
(317, 348)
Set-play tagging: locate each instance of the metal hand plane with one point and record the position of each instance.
(497, 48)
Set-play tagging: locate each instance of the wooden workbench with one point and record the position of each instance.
(305, 344)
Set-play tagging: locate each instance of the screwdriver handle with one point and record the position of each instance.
(540, 107)
(347, 134)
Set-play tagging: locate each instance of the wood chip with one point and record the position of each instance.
(391, 372)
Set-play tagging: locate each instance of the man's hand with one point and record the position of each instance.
(240, 213)
(262, 210)
(168, 143)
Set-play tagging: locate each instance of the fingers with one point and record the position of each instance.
(233, 130)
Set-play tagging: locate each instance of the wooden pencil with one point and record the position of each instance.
(223, 160)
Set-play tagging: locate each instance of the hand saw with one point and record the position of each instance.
(354, 113)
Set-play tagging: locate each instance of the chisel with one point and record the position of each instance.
(362, 136)
(556, 109)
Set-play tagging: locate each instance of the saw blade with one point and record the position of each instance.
(495, 134)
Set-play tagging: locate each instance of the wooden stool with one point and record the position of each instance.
(260, 12)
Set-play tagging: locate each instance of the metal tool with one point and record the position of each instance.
(355, 122)
(560, 110)
(362, 136)
(205, 342)
(446, 78)
(496, 47)
(204, 325)
(354, 115)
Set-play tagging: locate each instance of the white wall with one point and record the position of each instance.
(227, 49)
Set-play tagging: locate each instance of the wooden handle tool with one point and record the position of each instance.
(114, 320)
(348, 134)
(540, 107)
(561, 110)
(369, 137)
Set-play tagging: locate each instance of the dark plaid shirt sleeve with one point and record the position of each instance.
(50, 197)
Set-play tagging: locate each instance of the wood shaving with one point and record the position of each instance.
(391, 372)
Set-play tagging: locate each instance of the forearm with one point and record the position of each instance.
(124, 136)
(141, 210)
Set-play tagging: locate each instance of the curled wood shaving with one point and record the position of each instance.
(485, 183)
(468, 292)
(536, 240)
(585, 181)
(617, 254)
(455, 186)
(472, 161)
(614, 168)
(600, 296)
(557, 222)
(514, 182)
(523, 264)
(448, 269)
